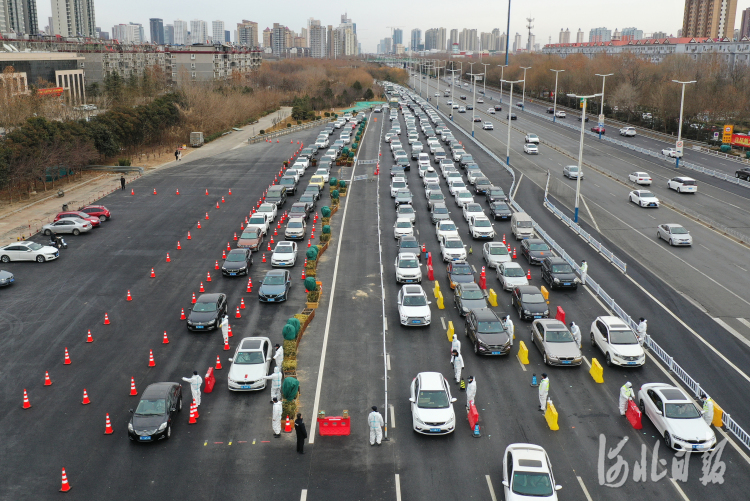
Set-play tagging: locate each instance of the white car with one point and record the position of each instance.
(28, 251)
(322, 172)
(72, 225)
(677, 418)
(424, 159)
(295, 229)
(250, 364)
(683, 184)
(402, 227)
(452, 248)
(408, 270)
(675, 234)
(617, 342)
(670, 153)
(258, 221)
(644, 198)
(560, 114)
(641, 178)
(480, 100)
(462, 109)
(455, 186)
(627, 131)
(488, 126)
(495, 253)
(527, 474)
(473, 173)
(463, 197)
(472, 209)
(407, 211)
(431, 404)
(302, 163)
(431, 187)
(422, 168)
(346, 138)
(531, 138)
(511, 275)
(491, 110)
(284, 254)
(322, 143)
(571, 172)
(268, 210)
(481, 227)
(530, 149)
(430, 176)
(398, 183)
(413, 306)
(457, 154)
(446, 228)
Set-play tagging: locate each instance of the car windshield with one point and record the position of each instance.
(538, 247)
(297, 209)
(497, 193)
(448, 227)
(204, 307)
(249, 234)
(273, 280)
(558, 336)
(409, 244)
(257, 220)
(646, 194)
(440, 210)
(403, 224)
(528, 483)
(415, 300)
(284, 249)
(265, 209)
(464, 194)
(572, 168)
(492, 326)
(686, 182)
(405, 209)
(679, 230)
(249, 358)
(286, 180)
(408, 263)
(625, 336)
(498, 250)
(433, 400)
(482, 223)
(235, 257)
(453, 244)
(461, 269)
(535, 297)
(399, 184)
(35, 246)
(472, 294)
(155, 407)
(561, 268)
(524, 224)
(436, 196)
(403, 194)
(683, 410)
(458, 184)
(294, 224)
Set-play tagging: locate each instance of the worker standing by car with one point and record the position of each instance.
(375, 420)
(584, 271)
(455, 345)
(543, 392)
(626, 393)
(510, 329)
(708, 409)
(195, 386)
(641, 330)
(275, 382)
(458, 364)
(576, 331)
(276, 417)
(225, 329)
(278, 355)
(471, 392)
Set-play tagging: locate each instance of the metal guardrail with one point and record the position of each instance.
(725, 156)
(288, 130)
(729, 423)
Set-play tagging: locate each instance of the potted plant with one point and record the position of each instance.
(313, 292)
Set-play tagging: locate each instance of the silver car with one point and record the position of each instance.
(495, 253)
(67, 225)
(295, 229)
(675, 234)
(555, 342)
(571, 172)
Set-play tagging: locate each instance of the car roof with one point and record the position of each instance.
(468, 285)
(407, 255)
(299, 204)
(407, 238)
(550, 323)
(274, 273)
(238, 251)
(672, 394)
(284, 244)
(555, 260)
(252, 343)
(157, 389)
(526, 455)
(528, 289)
(684, 178)
(431, 381)
(413, 289)
(484, 314)
(612, 320)
(209, 298)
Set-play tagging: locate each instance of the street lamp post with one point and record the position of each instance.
(510, 112)
(502, 75)
(601, 122)
(437, 83)
(580, 149)
(474, 107)
(507, 38)
(484, 81)
(523, 96)
(679, 127)
(554, 107)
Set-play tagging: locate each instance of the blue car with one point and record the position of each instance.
(275, 286)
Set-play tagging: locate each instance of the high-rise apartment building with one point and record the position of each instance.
(169, 34)
(517, 44)
(128, 33)
(659, 34)
(564, 36)
(579, 36)
(156, 28)
(278, 39)
(198, 31)
(454, 39)
(317, 35)
(267, 38)
(745, 24)
(180, 32)
(600, 35)
(709, 18)
(227, 36)
(247, 33)
(19, 16)
(72, 18)
(217, 31)
(416, 39)
(398, 36)
(629, 34)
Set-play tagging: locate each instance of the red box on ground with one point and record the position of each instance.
(334, 426)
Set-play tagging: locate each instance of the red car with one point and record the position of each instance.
(596, 129)
(81, 215)
(99, 211)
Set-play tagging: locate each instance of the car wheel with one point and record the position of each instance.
(545, 359)
(679, 190)
(102, 218)
(641, 406)
(476, 348)
(593, 343)
(668, 440)
(179, 405)
(5, 259)
(76, 232)
(40, 259)
(670, 242)
(658, 234)
(169, 431)
(47, 232)
(631, 200)
(609, 360)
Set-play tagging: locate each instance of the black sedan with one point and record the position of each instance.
(469, 297)
(238, 262)
(498, 107)
(308, 198)
(529, 302)
(477, 119)
(512, 116)
(152, 420)
(486, 333)
(495, 194)
(558, 273)
(535, 250)
(207, 312)
(6, 278)
(275, 286)
(500, 210)
(743, 173)
(579, 119)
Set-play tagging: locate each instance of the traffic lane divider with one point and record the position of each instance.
(596, 371)
(492, 298)
(551, 416)
(451, 331)
(523, 353)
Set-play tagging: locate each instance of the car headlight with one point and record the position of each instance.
(419, 421)
(527, 312)
(552, 357)
(162, 427)
(428, 318)
(556, 280)
(546, 312)
(465, 309)
(223, 268)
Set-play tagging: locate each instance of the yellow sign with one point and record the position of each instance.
(726, 138)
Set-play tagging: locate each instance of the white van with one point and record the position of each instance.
(520, 226)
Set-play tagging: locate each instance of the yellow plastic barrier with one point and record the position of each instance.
(440, 302)
(523, 353)
(718, 420)
(451, 331)
(492, 298)
(436, 290)
(545, 293)
(551, 416)
(596, 371)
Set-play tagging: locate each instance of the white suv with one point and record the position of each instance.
(413, 306)
(432, 404)
(627, 131)
(407, 268)
(617, 341)
(683, 184)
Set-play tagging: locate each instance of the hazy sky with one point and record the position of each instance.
(373, 17)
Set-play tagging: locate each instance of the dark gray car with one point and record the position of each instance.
(469, 297)
(207, 312)
(558, 273)
(486, 333)
(238, 262)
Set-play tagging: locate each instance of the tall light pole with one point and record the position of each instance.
(580, 149)
(678, 145)
(601, 114)
(510, 112)
(452, 101)
(437, 83)
(523, 96)
(507, 38)
(554, 107)
(474, 107)
(484, 81)
(502, 75)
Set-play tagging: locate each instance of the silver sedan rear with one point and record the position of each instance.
(67, 225)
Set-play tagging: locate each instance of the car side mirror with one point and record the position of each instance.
(173, 408)
(658, 412)
(412, 399)
(506, 484)
(558, 487)
(454, 400)
(130, 411)
(230, 359)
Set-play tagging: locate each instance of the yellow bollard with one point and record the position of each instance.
(441, 304)
(551, 416)
(436, 290)
(523, 353)
(718, 420)
(451, 331)
(492, 298)
(596, 371)
(545, 293)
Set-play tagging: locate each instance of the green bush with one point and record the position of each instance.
(332, 182)
(342, 184)
(289, 332)
(313, 296)
(262, 131)
(335, 194)
(123, 162)
(290, 349)
(294, 322)
(288, 124)
(310, 283)
(289, 365)
(289, 408)
(325, 237)
(326, 229)
(325, 212)
(299, 122)
(312, 254)
(326, 114)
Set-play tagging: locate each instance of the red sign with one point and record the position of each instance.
(52, 91)
(741, 140)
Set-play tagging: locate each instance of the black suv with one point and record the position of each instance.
(558, 273)
(486, 333)
(500, 210)
(743, 173)
(495, 194)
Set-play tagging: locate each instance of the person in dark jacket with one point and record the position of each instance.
(301, 430)
(122, 182)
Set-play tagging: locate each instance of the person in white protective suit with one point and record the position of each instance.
(455, 345)
(510, 329)
(641, 330)
(276, 417)
(375, 420)
(458, 364)
(543, 392)
(626, 393)
(275, 383)
(225, 329)
(708, 409)
(195, 386)
(471, 392)
(576, 331)
(278, 356)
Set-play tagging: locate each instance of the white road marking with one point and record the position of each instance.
(679, 489)
(303, 497)
(388, 361)
(393, 416)
(385, 323)
(398, 488)
(586, 359)
(492, 491)
(732, 331)
(442, 321)
(521, 363)
(612, 194)
(704, 247)
(591, 215)
(740, 267)
(744, 322)
(517, 185)
(584, 489)
(597, 185)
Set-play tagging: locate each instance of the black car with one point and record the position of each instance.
(308, 198)
(498, 107)
(6, 278)
(238, 262)
(495, 194)
(558, 273)
(481, 185)
(512, 116)
(459, 272)
(403, 162)
(469, 297)
(486, 333)
(290, 182)
(152, 418)
(743, 173)
(408, 243)
(275, 286)
(529, 302)
(397, 171)
(500, 210)
(463, 98)
(207, 312)
(477, 119)
(469, 107)
(535, 250)
(314, 190)
(579, 119)
(300, 209)
(550, 110)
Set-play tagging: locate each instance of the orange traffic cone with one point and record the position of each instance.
(208, 276)
(242, 303)
(230, 191)
(514, 252)
(503, 237)
(108, 426)
(217, 204)
(182, 313)
(192, 408)
(528, 274)
(86, 400)
(275, 231)
(65, 485)
(26, 403)
(201, 289)
(206, 192)
(67, 358)
(303, 273)
(153, 275)
(229, 247)
(226, 346)
(166, 339)
(106, 319)
(222, 199)
(288, 425)
(189, 237)
(235, 235)
(133, 391)
(178, 191)
(154, 191)
(216, 266)
(237, 315)
(309, 243)
(47, 380)
(168, 260)
(151, 362)
(199, 224)
(223, 254)
(132, 192)
(269, 246)
(229, 331)
(129, 297)
(218, 363)
(272, 240)
(90, 339)
(178, 245)
(249, 285)
(193, 301)
(242, 226)
(264, 257)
